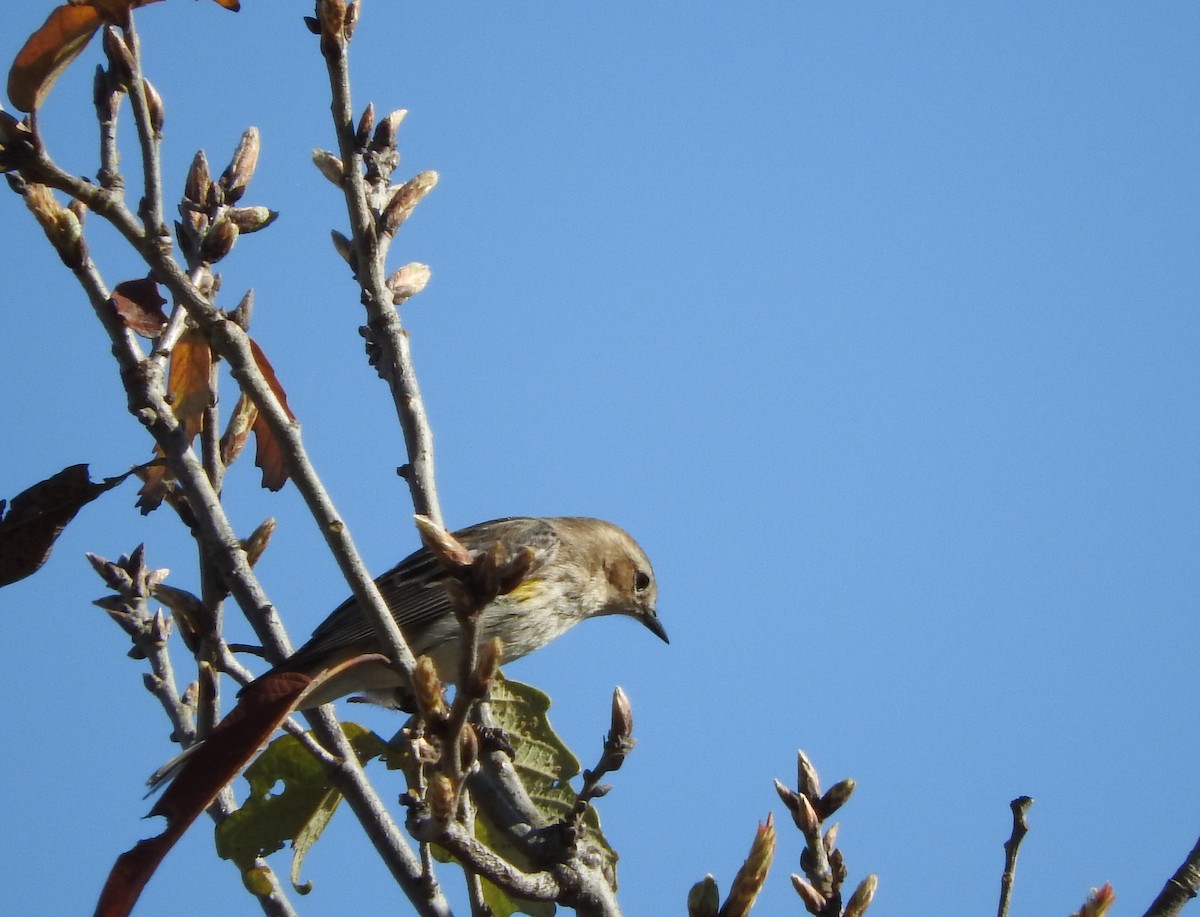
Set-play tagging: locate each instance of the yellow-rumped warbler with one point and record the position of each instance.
(581, 568)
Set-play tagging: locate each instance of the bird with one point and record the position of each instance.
(579, 568)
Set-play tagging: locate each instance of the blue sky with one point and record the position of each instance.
(876, 324)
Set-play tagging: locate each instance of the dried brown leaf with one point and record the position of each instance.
(37, 516)
(268, 453)
(190, 380)
(139, 304)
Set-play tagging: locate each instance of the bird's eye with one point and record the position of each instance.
(641, 581)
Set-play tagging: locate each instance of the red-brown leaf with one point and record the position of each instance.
(37, 516)
(139, 304)
(47, 53)
(190, 379)
(264, 704)
(268, 454)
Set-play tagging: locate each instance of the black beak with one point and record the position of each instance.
(650, 619)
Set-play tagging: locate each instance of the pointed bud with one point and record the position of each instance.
(405, 200)
(241, 167)
(362, 134)
(218, 241)
(622, 716)
(788, 797)
(343, 246)
(351, 19)
(408, 281)
(241, 314)
(154, 105)
(312, 24)
(120, 58)
(330, 166)
(105, 96)
(388, 132)
(199, 180)
(704, 900)
(829, 841)
(805, 817)
(837, 797)
(862, 897)
(252, 219)
(807, 781)
(813, 900)
(258, 541)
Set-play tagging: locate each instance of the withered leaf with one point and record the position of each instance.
(264, 704)
(47, 53)
(139, 304)
(189, 381)
(237, 431)
(157, 482)
(37, 516)
(268, 453)
(61, 39)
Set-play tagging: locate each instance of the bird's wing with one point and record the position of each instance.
(415, 593)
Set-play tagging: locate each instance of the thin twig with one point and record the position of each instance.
(1020, 806)
(395, 363)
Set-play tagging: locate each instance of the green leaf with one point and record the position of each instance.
(298, 813)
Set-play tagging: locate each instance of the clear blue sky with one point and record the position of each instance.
(877, 324)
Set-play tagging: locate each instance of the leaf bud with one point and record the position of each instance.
(704, 899)
(258, 540)
(362, 133)
(836, 797)
(405, 200)
(862, 897)
(343, 246)
(252, 219)
(218, 241)
(330, 166)
(408, 281)
(105, 96)
(388, 132)
(241, 167)
(120, 58)
(154, 106)
(199, 180)
(807, 781)
(813, 900)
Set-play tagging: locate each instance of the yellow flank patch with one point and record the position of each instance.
(526, 590)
